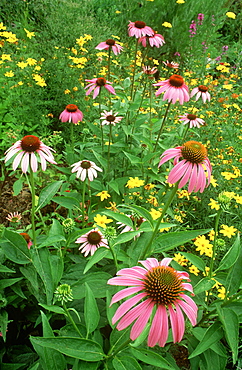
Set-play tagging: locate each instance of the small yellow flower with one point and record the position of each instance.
(9, 74)
(134, 182)
(231, 15)
(29, 34)
(102, 220)
(228, 86)
(6, 57)
(155, 214)
(75, 88)
(103, 195)
(214, 204)
(180, 2)
(167, 24)
(222, 292)
(118, 12)
(213, 181)
(22, 65)
(2, 27)
(228, 230)
(179, 258)
(194, 270)
(67, 91)
(211, 234)
(31, 61)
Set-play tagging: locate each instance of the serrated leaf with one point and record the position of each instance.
(151, 358)
(83, 349)
(195, 260)
(230, 323)
(91, 313)
(98, 256)
(47, 194)
(174, 239)
(231, 256)
(212, 335)
(203, 285)
(15, 247)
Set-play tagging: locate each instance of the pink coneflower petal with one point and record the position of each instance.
(160, 289)
(174, 88)
(142, 320)
(17, 160)
(33, 162)
(96, 92)
(25, 162)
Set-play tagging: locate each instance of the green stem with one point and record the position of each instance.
(125, 344)
(71, 320)
(147, 250)
(101, 127)
(72, 137)
(114, 256)
(214, 243)
(32, 189)
(162, 125)
(83, 203)
(135, 63)
(109, 144)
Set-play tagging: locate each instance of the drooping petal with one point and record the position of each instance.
(177, 323)
(124, 293)
(132, 315)
(25, 162)
(33, 162)
(140, 323)
(156, 327)
(17, 160)
(191, 314)
(164, 324)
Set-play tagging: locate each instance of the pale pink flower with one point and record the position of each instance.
(27, 149)
(91, 241)
(201, 91)
(85, 169)
(110, 118)
(192, 120)
(174, 88)
(149, 71)
(171, 64)
(71, 114)
(191, 164)
(110, 43)
(14, 217)
(155, 40)
(162, 291)
(96, 84)
(139, 29)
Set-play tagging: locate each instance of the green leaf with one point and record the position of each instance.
(47, 194)
(212, 335)
(52, 308)
(125, 363)
(142, 212)
(67, 202)
(125, 237)
(119, 217)
(97, 281)
(91, 313)
(83, 349)
(195, 260)
(41, 260)
(98, 256)
(132, 158)
(15, 247)
(50, 240)
(171, 240)
(203, 285)
(114, 185)
(231, 256)
(230, 323)
(151, 358)
(234, 279)
(126, 82)
(17, 186)
(4, 268)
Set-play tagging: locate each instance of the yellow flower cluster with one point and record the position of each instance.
(134, 182)
(39, 80)
(203, 246)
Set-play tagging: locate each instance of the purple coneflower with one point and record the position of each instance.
(14, 217)
(91, 241)
(174, 88)
(155, 40)
(202, 91)
(139, 29)
(110, 118)
(149, 71)
(85, 169)
(191, 164)
(162, 291)
(110, 43)
(27, 239)
(171, 64)
(192, 120)
(27, 149)
(71, 114)
(96, 84)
